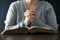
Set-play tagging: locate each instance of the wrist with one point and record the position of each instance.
(27, 20)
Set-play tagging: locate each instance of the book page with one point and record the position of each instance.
(32, 27)
(15, 31)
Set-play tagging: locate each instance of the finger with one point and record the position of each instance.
(33, 13)
(26, 13)
(31, 16)
(29, 13)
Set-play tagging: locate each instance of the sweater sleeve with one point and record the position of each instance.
(51, 21)
(11, 18)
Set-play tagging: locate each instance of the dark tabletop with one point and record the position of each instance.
(38, 36)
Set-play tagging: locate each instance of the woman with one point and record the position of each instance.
(31, 13)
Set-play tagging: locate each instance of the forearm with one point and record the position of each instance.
(44, 25)
(9, 27)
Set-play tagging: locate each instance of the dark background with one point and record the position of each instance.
(4, 5)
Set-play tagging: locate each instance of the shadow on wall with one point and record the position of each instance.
(4, 5)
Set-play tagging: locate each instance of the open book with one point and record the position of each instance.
(26, 30)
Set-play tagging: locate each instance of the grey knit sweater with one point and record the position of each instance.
(46, 17)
